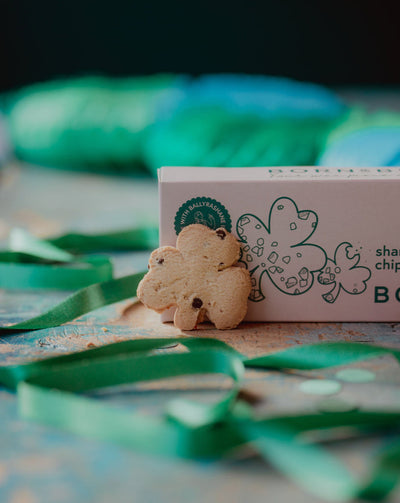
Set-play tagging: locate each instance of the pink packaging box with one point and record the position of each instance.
(321, 244)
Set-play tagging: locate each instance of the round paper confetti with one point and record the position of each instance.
(335, 405)
(320, 387)
(355, 375)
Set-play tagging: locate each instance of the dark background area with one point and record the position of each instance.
(334, 43)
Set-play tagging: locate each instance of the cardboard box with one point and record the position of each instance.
(322, 244)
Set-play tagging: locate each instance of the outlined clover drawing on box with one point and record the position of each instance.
(280, 249)
(344, 273)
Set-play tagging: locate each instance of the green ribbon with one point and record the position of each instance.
(326, 355)
(141, 238)
(54, 390)
(47, 392)
(81, 302)
(32, 263)
(23, 271)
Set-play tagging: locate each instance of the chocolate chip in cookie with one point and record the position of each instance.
(197, 303)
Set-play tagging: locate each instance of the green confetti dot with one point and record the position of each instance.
(355, 375)
(335, 405)
(320, 387)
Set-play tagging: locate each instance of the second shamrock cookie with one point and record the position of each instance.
(199, 277)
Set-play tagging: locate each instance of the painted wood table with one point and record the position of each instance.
(40, 464)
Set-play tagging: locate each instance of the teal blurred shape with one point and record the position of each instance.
(267, 97)
(5, 147)
(213, 136)
(364, 140)
(130, 124)
(90, 123)
(244, 120)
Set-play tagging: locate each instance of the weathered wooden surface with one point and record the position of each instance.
(43, 465)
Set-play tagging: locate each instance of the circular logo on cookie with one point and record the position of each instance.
(202, 210)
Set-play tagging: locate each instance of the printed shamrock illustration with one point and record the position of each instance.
(209, 221)
(344, 273)
(280, 249)
(198, 278)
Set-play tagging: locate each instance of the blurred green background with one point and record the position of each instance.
(127, 86)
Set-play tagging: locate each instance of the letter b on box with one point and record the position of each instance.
(381, 294)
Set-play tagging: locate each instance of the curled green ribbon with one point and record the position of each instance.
(23, 271)
(81, 302)
(140, 238)
(33, 263)
(52, 390)
(47, 392)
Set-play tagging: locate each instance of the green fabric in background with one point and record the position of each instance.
(358, 119)
(213, 136)
(5, 147)
(363, 139)
(136, 125)
(91, 123)
(129, 125)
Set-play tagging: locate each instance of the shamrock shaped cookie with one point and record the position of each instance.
(198, 278)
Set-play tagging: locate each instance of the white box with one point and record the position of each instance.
(322, 244)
